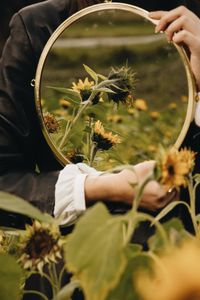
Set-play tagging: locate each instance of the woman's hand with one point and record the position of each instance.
(182, 27)
(122, 187)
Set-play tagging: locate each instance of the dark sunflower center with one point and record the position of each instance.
(170, 169)
(39, 245)
(102, 143)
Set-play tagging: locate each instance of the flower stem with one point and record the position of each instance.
(139, 194)
(54, 279)
(61, 276)
(93, 152)
(73, 122)
(192, 197)
(36, 293)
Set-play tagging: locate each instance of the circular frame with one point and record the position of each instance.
(97, 8)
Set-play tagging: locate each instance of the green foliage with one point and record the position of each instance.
(15, 204)
(175, 232)
(11, 277)
(97, 259)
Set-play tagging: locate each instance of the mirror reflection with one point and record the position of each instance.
(112, 91)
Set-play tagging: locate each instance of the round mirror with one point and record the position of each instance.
(109, 91)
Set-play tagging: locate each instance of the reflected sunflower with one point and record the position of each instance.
(85, 88)
(124, 87)
(104, 140)
(51, 123)
(176, 275)
(140, 104)
(175, 167)
(40, 245)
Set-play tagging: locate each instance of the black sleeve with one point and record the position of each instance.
(22, 145)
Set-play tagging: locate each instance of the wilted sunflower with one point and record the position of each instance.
(175, 277)
(51, 123)
(85, 89)
(104, 140)
(124, 87)
(41, 244)
(175, 167)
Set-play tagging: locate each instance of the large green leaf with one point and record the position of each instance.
(95, 252)
(125, 289)
(15, 204)
(11, 277)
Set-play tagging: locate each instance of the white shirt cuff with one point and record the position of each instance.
(70, 193)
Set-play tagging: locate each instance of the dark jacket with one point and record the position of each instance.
(22, 145)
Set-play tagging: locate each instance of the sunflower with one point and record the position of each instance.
(41, 244)
(104, 140)
(176, 275)
(65, 104)
(85, 89)
(154, 115)
(172, 105)
(175, 167)
(75, 156)
(124, 87)
(140, 104)
(51, 123)
(114, 119)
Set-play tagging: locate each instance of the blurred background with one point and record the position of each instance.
(9, 7)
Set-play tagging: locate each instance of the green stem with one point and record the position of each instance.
(73, 122)
(42, 275)
(89, 136)
(61, 276)
(191, 191)
(145, 217)
(138, 217)
(36, 293)
(139, 194)
(54, 279)
(93, 152)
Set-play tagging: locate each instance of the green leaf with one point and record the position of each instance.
(70, 94)
(167, 209)
(92, 73)
(105, 90)
(11, 276)
(15, 204)
(95, 252)
(175, 232)
(125, 289)
(67, 291)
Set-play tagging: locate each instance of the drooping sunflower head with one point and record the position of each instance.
(85, 89)
(175, 276)
(40, 244)
(51, 123)
(104, 140)
(124, 87)
(75, 156)
(175, 167)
